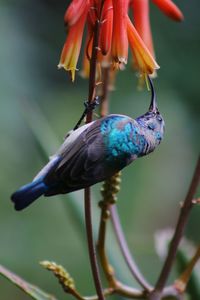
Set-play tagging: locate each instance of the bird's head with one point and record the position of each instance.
(152, 120)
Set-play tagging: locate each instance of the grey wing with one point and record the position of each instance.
(83, 163)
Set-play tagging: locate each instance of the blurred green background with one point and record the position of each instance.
(37, 99)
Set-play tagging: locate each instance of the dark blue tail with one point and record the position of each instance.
(28, 194)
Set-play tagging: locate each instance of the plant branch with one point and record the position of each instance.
(93, 67)
(91, 247)
(105, 91)
(107, 268)
(125, 250)
(182, 220)
(87, 195)
(109, 191)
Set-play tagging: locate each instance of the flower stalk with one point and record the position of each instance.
(126, 252)
(87, 192)
(109, 192)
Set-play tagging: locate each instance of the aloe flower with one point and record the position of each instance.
(143, 59)
(141, 19)
(140, 10)
(71, 50)
(119, 36)
(169, 9)
(117, 33)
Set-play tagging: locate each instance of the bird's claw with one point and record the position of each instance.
(90, 106)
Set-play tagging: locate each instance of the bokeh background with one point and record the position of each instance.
(38, 105)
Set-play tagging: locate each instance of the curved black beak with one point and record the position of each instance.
(153, 105)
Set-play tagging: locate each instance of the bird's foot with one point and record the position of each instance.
(90, 106)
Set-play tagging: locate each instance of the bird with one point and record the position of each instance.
(94, 152)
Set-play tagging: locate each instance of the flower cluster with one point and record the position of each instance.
(117, 33)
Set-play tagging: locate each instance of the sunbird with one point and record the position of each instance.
(94, 152)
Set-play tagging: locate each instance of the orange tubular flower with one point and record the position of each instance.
(144, 61)
(169, 9)
(116, 33)
(119, 36)
(71, 49)
(141, 18)
(74, 11)
(142, 22)
(106, 27)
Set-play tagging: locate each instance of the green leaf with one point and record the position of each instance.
(31, 290)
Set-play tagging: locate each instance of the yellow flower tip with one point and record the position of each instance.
(148, 67)
(71, 70)
(72, 74)
(144, 61)
(151, 66)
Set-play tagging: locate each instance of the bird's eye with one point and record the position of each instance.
(159, 118)
(151, 126)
